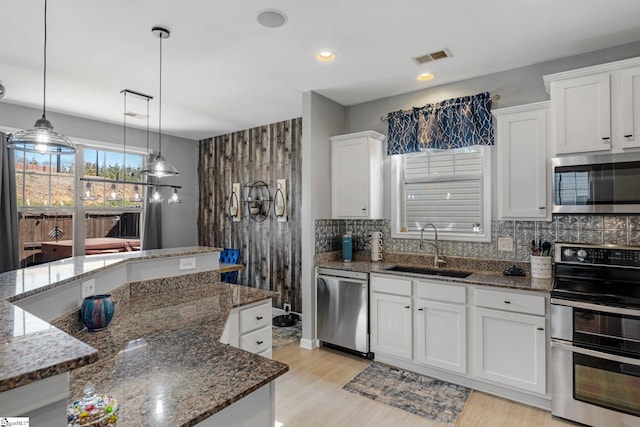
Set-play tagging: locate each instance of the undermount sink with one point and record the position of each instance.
(430, 271)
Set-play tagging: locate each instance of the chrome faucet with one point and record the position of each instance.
(436, 260)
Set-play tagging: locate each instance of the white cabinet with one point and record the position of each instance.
(595, 108)
(630, 81)
(522, 134)
(441, 325)
(391, 319)
(510, 346)
(249, 328)
(441, 335)
(356, 176)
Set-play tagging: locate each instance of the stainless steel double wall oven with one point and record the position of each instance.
(595, 335)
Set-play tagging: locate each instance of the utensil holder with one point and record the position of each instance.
(541, 267)
(97, 311)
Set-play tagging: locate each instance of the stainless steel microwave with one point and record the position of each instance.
(600, 183)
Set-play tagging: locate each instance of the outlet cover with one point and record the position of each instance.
(88, 288)
(505, 244)
(187, 263)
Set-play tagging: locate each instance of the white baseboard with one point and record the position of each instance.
(308, 344)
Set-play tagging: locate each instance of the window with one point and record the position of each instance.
(50, 210)
(44, 180)
(448, 188)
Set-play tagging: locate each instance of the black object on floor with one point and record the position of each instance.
(285, 320)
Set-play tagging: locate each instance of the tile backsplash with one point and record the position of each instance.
(593, 229)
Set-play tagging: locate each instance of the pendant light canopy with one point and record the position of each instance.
(158, 165)
(42, 138)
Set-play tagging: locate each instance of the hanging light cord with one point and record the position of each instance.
(44, 90)
(160, 102)
(124, 139)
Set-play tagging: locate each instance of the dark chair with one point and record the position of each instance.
(229, 256)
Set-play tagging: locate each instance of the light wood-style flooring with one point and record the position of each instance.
(309, 395)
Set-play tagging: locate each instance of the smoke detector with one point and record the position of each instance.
(433, 56)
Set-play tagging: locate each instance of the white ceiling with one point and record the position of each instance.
(224, 72)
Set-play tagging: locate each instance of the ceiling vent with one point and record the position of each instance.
(433, 56)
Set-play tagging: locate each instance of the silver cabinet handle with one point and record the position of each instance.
(596, 307)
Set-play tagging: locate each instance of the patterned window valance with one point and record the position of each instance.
(454, 123)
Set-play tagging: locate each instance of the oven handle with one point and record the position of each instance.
(596, 307)
(593, 353)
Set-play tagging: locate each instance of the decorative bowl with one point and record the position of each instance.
(97, 311)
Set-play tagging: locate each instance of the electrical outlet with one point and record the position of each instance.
(287, 307)
(505, 244)
(187, 263)
(88, 288)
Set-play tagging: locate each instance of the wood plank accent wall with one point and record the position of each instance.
(270, 250)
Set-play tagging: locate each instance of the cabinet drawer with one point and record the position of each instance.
(257, 341)
(441, 292)
(256, 317)
(511, 301)
(391, 285)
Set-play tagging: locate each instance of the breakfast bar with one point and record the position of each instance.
(160, 357)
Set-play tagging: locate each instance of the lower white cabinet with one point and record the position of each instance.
(391, 324)
(488, 338)
(249, 328)
(510, 349)
(441, 335)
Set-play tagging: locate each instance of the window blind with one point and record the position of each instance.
(443, 188)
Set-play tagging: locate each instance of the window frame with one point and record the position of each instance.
(397, 201)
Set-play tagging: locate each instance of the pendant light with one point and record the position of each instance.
(42, 138)
(158, 166)
(156, 197)
(174, 197)
(87, 193)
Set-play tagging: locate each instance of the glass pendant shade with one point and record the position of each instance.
(87, 193)
(113, 194)
(174, 197)
(156, 197)
(136, 194)
(159, 167)
(42, 138)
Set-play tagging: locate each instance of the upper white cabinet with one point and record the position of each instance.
(522, 136)
(356, 176)
(595, 108)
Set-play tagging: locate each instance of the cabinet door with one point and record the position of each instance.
(522, 165)
(350, 178)
(510, 349)
(391, 325)
(441, 335)
(631, 107)
(581, 114)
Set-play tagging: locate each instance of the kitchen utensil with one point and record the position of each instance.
(546, 249)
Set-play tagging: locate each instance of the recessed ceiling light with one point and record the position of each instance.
(425, 76)
(271, 18)
(326, 55)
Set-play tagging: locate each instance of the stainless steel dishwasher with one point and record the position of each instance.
(343, 309)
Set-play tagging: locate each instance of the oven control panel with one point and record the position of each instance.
(603, 255)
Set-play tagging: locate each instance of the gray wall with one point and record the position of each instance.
(516, 87)
(321, 119)
(179, 221)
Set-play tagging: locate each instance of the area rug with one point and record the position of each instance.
(436, 400)
(282, 336)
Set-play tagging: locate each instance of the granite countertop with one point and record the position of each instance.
(32, 349)
(479, 277)
(17, 284)
(164, 362)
